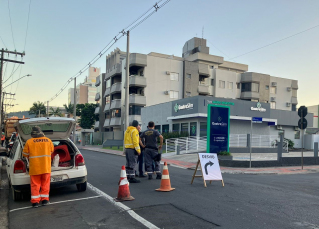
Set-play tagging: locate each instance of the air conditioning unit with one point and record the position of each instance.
(168, 73)
(288, 88)
(288, 104)
(274, 84)
(279, 127)
(166, 92)
(273, 99)
(296, 128)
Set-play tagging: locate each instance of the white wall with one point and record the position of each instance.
(227, 76)
(158, 81)
(314, 110)
(283, 96)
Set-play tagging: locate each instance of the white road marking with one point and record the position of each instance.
(122, 207)
(58, 202)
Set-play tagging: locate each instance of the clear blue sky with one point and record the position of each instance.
(63, 36)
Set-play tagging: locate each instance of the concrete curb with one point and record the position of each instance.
(4, 198)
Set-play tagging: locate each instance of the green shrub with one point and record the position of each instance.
(175, 135)
(224, 153)
(290, 143)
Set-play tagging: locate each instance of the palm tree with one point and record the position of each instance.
(69, 109)
(37, 108)
(56, 112)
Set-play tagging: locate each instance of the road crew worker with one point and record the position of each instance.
(132, 150)
(38, 150)
(151, 150)
(140, 158)
(3, 138)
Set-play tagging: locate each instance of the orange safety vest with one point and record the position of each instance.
(3, 137)
(38, 151)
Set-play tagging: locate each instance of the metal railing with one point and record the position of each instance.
(195, 144)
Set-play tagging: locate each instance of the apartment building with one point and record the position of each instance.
(158, 78)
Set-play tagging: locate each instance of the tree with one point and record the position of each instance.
(86, 113)
(56, 112)
(36, 107)
(69, 109)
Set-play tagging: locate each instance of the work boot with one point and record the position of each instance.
(35, 205)
(45, 202)
(150, 176)
(134, 180)
(159, 176)
(142, 175)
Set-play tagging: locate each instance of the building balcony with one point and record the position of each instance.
(203, 89)
(137, 59)
(97, 96)
(106, 122)
(117, 69)
(116, 104)
(138, 81)
(203, 70)
(98, 81)
(249, 95)
(116, 88)
(97, 110)
(107, 107)
(294, 100)
(115, 121)
(107, 91)
(136, 99)
(134, 117)
(97, 125)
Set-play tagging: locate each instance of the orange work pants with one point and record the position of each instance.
(40, 187)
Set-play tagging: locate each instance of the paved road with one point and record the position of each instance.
(246, 201)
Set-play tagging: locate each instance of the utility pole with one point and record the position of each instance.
(127, 87)
(47, 108)
(1, 70)
(74, 110)
(2, 110)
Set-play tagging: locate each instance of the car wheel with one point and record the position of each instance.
(16, 195)
(81, 187)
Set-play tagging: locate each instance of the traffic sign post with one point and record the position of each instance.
(302, 124)
(253, 120)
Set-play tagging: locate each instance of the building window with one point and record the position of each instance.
(267, 87)
(173, 94)
(165, 128)
(193, 126)
(212, 82)
(116, 113)
(135, 110)
(273, 105)
(221, 84)
(188, 93)
(238, 85)
(107, 99)
(293, 107)
(297, 134)
(230, 85)
(176, 127)
(273, 90)
(253, 87)
(188, 76)
(174, 76)
(108, 83)
(294, 93)
(203, 129)
(158, 128)
(184, 127)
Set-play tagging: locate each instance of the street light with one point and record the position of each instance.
(17, 80)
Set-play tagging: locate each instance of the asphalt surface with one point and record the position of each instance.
(246, 201)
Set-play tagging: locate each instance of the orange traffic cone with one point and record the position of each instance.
(165, 182)
(124, 191)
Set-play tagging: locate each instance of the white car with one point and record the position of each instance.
(70, 172)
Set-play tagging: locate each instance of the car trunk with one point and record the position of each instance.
(58, 130)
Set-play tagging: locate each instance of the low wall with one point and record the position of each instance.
(253, 150)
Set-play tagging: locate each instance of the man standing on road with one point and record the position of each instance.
(151, 150)
(141, 156)
(38, 150)
(132, 150)
(3, 138)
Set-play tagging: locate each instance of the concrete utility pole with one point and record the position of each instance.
(1, 76)
(74, 110)
(47, 108)
(2, 104)
(127, 87)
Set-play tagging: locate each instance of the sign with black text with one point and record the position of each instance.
(218, 128)
(210, 166)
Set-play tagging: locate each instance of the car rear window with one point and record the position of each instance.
(46, 127)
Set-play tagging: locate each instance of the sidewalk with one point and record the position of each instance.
(188, 161)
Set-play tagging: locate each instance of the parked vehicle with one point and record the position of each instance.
(71, 169)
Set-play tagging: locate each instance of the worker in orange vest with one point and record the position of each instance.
(3, 138)
(38, 150)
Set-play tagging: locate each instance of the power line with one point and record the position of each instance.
(275, 42)
(11, 25)
(218, 49)
(11, 74)
(111, 43)
(3, 42)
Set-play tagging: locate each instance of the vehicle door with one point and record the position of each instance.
(11, 158)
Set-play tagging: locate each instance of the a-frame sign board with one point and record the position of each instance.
(208, 162)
